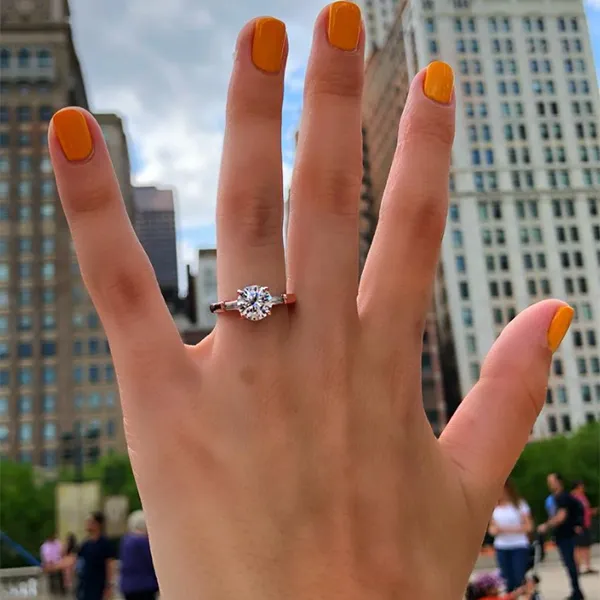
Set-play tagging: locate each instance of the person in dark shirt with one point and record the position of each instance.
(94, 562)
(565, 526)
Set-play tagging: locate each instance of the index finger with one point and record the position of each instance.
(114, 266)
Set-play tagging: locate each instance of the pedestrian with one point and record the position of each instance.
(94, 566)
(583, 555)
(51, 553)
(488, 587)
(138, 579)
(69, 561)
(563, 525)
(510, 525)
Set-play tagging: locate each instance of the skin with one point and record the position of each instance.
(556, 487)
(583, 556)
(292, 458)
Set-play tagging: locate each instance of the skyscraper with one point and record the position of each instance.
(154, 223)
(524, 218)
(56, 373)
(379, 16)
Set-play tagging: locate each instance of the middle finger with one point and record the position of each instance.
(323, 243)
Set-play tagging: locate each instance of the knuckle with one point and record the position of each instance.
(429, 127)
(125, 290)
(96, 193)
(254, 103)
(257, 219)
(336, 81)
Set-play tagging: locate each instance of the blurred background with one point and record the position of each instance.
(523, 224)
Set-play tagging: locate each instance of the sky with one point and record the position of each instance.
(164, 68)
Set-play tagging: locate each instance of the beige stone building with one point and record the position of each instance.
(56, 373)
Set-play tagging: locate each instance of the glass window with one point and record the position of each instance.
(457, 238)
(49, 431)
(78, 374)
(48, 270)
(110, 428)
(93, 374)
(24, 323)
(23, 114)
(48, 296)
(47, 211)
(24, 190)
(46, 113)
(48, 348)
(49, 404)
(25, 375)
(25, 350)
(110, 399)
(467, 315)
(45, 165)
(4, 377)
(95, 400)
(25, 432)
(48, 321)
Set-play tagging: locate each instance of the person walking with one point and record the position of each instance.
(138, 579)
(94, 566)
(563, 525)
(583, 542)
(510, 525)
(69, 561)
(51, 553)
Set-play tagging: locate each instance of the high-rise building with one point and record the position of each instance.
(524, 218)
(56, 373)
(116, 141)
(385, 90)
(379, 16)
(154, 223)
(205, 291)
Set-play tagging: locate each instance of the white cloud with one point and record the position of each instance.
(593, 3)
(164, 67)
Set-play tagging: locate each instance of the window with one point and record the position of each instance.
(48, 348)
(95, 400)
(25, 375)
(49, 404)
(48, 322)
(109, 372)
(457, 238)
(110, 428)
(24, 188)
(44, 58)
(23, 114)
(23, 57)
(25, 432)
(78, 374)
(566, 423)
(24, 323)
(93, 374)
(4, 377)
(49, 431)
(467, 316)
(25, 350)
(47, 211)
(463, 287)
(48, 270)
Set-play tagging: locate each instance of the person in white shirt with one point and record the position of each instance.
(510, 525)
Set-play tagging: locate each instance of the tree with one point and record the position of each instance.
(27, 510)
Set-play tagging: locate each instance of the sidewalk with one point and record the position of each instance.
(554, 582)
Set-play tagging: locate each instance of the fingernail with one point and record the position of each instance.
(72, 132)
(345, 24)
(559, 327)
(268, 44)
(439, 82)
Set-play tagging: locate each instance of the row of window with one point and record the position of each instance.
(25, 58)
(26, 164)
(25, 404)
(48, 320)
(24, 88)
(23, 139)
(24, 114)
(47, 348)
(49, 432)
(25, 188)
(94, 374)
(25, 245)
(25, 212)
(26, 375)
(94, 401)
(26, 271)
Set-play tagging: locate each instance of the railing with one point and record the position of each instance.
(24, 583)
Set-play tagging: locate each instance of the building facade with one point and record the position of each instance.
(378, 16)
(385, 91)
(56, 374)
(116, 141)
(524, 218)
(154, 223)
(205, 291)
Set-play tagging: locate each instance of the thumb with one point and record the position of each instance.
(492, 425)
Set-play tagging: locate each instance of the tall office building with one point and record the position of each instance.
(379, 16)
(56, 373)
(524, 219)
(154, 223)
(205, 291)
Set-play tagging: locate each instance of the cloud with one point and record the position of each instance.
(164, 67)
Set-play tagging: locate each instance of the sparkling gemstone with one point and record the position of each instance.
(254, 302)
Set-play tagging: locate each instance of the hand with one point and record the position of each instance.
(543, 528)
(292, 457)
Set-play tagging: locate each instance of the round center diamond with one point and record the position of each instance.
(254, 302)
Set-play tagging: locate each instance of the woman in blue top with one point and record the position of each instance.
(138, 580)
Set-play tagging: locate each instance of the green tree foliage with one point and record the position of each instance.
(27, 510)
(576, 457)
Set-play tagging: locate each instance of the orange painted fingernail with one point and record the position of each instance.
(268, 44)
(439, 82)
(559, 327)
(345, 24)
(73, 133)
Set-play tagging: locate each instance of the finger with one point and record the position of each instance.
(114, 266)
(250, 202)
(493, 423)
(323, 224)
(401, 264)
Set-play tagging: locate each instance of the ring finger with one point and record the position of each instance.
(250, 200)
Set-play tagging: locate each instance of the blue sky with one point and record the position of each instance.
(164, 68)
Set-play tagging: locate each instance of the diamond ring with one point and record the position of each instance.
(254, 302)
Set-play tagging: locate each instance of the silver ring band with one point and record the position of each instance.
(254, 303)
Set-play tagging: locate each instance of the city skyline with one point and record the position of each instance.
(150, 46)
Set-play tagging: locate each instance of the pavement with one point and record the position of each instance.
(554, 581)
